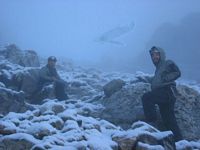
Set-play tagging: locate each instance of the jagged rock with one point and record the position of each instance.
(30, 59)
(26, 58)
(5, 80)
(68, 115)
(186, 145)
(187, 110)
(38, 147)
(113, 86)
(40, 130)
(12, 101)
(2, 85)
(125, 143)
(57, 123)
(17, 141)
(70, 125)
(79, 92)
(144, 146)
(51, 106)
(144, 137)
(124, 107)
(166, 141)
(47, 92)
(30, 81)
(7, 128)
(6, 72)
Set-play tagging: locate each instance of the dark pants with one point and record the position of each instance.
(165, 99)
(60, 90)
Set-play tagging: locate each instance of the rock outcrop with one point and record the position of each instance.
(124, 107)
(12, 101)
(113, 86)
(27, 58)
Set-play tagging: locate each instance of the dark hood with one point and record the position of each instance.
(162, 54)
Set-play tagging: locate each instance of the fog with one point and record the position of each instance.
(112, 35)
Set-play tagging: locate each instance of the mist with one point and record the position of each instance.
(112, 35)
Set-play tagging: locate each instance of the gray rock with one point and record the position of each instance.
(7, 128)
(28, 58)
(125, 143)
(51, 106)
(40, 130)
(145, 137)
(12, 101)
(124, 107)
(113, 86)
(19, 141)
(30, 81)
(144, 146)
(187, 110)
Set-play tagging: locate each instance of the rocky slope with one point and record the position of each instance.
(81, 122)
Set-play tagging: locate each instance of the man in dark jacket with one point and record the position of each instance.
(48, 75)
(162, 92)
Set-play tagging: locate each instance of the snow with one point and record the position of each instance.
(79, 128)
(68, 114)
(191, 84)
(98, 141)
(7, 125)
(36, 128)
(21, 136)
(150, 147)
(70, 125)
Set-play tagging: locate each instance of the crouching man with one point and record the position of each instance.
(48, 74)
(162, 92)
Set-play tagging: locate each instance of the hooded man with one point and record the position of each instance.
(48, 75)
(162, 92)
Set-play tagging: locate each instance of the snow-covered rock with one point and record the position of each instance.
(125, 107)
(81, 122)
(27, 58)
(12, 101)
(38, 130)
(113, 86)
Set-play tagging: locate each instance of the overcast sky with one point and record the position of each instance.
(69, 28)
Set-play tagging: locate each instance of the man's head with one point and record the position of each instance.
(155, 55)
(52, 61)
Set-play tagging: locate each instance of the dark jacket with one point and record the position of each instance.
(166, 72)
(47, 73)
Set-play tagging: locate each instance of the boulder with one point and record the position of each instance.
(28, 81)
(187, 110)
(12, 53)
(125, 107)
(12, 101)
(28, 58)
(113, 86)
(142, 136)
(7, 128)
(18, 141)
